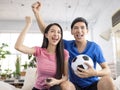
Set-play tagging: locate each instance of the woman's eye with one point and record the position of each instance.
(52, 31)
(59, 32)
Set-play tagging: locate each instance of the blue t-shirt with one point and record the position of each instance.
(93, 50)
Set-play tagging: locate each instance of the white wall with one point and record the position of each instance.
(104, 23)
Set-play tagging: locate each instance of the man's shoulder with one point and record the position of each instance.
(68, 41)
(92, 43)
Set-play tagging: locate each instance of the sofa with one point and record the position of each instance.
(30, 79)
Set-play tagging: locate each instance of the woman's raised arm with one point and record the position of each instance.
(19, 43)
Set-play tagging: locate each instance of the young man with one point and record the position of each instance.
(82, 79)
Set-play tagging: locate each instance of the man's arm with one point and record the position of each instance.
(36, 7)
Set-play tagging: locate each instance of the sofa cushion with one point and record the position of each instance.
(29, 79)
(117, 83)
(6, 86)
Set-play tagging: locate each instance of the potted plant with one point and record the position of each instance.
(17, 66)
(6, 74)
(3, 76)
(32, 62)
(25, 65)
(23, 72)
(3, 51)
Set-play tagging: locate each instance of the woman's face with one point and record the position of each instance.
(79, 31)
(54, 35)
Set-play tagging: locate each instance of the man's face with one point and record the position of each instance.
(79, 31)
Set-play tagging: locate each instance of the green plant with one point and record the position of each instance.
(32, 62)
(3, 76)
(17, 65)
(3, 51)
(6, 74)
(25, 65)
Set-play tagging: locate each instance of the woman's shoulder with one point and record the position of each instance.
(65, 51)
(38, 50)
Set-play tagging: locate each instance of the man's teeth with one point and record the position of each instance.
(79, 36)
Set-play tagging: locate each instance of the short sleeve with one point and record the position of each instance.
(66, 54)
(37, 51)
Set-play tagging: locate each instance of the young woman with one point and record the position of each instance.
(51, 58)
(83, 79)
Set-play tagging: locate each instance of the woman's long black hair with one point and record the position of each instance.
(59, 51)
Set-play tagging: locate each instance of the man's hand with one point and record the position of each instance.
(36, 7)
(86, 73)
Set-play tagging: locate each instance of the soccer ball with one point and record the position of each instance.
(79, 61)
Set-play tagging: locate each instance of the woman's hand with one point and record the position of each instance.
(52, 81)
(28, 19)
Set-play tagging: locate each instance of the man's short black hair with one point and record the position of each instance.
(79, 19)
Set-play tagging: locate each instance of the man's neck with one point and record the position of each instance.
(81, 45)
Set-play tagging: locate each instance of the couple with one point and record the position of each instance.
(54, 59)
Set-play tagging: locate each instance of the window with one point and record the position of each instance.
(31, 39)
